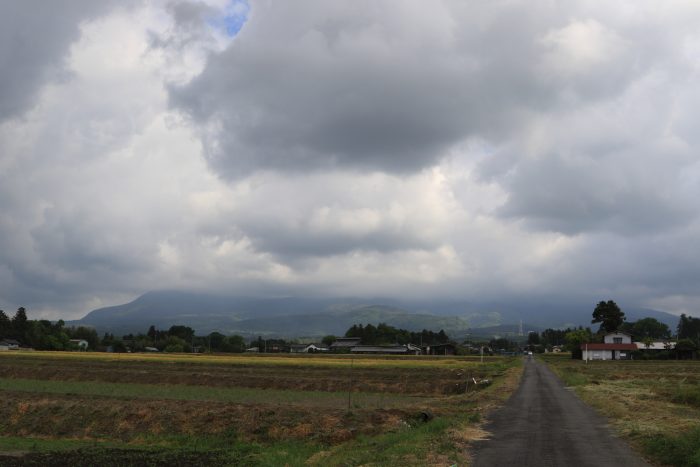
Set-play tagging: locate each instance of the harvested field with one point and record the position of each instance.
(655, 404)
(243, 410)
(406, 376)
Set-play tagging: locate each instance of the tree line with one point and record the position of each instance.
(383, 334)
(43, 334)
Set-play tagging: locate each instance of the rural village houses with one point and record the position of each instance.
(619, 346)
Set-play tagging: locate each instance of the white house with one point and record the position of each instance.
(615, 346)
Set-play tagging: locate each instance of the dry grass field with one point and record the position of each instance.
(655, 404)
(108, 409)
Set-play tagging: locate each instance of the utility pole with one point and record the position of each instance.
(352, 365)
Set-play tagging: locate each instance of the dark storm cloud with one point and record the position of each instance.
(301, 240)
(494, 149)
(575, 196)
(316, 86)
(35, 37)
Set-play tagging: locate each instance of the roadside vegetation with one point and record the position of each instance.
(655, 405)
(84, 408)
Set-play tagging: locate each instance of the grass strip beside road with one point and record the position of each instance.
(652, 403)
(203, 393)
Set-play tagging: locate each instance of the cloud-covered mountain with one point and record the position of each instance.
(314, 317)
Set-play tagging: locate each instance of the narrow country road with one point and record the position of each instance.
(545, 424)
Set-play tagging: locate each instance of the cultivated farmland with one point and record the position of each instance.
(654, 404)
(110, 409)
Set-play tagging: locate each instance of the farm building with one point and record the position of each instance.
(615, 346)
(656, 346)
(345, 343)
(408, 349)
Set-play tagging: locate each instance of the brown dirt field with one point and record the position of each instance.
(86, 417)
(413, 381)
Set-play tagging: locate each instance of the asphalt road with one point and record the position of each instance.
(545, 424)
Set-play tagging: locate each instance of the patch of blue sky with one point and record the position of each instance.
(233, 17)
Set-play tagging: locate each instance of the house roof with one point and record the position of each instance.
(608, 347)
(380, 348)
(346, 342)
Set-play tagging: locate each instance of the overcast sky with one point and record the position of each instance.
(468, 150)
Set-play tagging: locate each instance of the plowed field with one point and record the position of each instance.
(244, 410)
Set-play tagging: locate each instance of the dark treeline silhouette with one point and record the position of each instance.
(44, 334)
(383, 334)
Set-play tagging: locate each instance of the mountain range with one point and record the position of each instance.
(315, 317)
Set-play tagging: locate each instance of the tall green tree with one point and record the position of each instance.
(609, 315)
(689, 328)
(533, 338)
(185, 333)
(234, 343)
(574, 339)
(5, 325)
(650, 328)
(20, 324)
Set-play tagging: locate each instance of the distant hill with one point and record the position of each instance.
(313, 317)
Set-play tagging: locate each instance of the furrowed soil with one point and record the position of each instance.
(238, 411)
(426, 381)
(654, 404)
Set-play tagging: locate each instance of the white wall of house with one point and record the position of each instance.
(597, 355)
(617, 338)
(605, 355)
